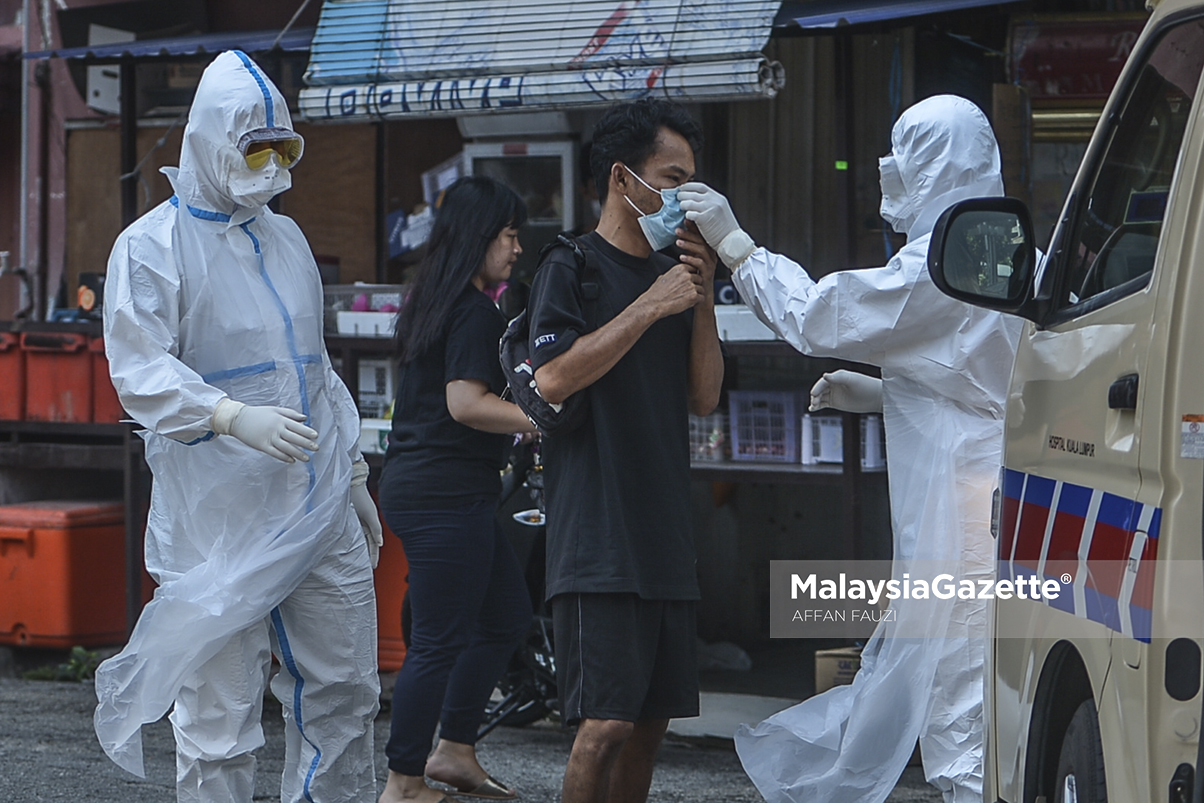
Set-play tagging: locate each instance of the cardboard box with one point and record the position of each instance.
(378, 383)
(836, 667)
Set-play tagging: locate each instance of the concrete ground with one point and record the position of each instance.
(48, 752)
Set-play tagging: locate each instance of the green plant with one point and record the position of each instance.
(79, 666)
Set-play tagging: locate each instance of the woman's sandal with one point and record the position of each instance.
(488, 789)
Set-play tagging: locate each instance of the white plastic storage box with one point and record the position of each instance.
(822, 440)
(366, 324)
(374, 435)
(378, 383)
(738, 322)
(764, 424)
(342, 298)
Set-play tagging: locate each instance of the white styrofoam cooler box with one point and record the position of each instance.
(366, 324)
(739, 322)
(374, 435)
(378, 383)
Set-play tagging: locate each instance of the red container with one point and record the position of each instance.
(106, 407)
(62, 574)
(12, 378)
(58, 377)
(391, 587)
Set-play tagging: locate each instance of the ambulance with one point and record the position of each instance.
(1095, 695)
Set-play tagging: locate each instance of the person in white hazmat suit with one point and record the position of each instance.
(261, 533)
(945, 371)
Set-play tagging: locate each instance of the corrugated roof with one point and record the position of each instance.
(458, 56)
(297, 39)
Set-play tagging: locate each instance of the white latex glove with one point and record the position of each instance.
(275, 431)
(365, 509)
(713, 216)
(849, 391)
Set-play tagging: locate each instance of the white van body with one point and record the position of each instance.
(1103, 475)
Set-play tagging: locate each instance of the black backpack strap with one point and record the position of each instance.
(587, 272)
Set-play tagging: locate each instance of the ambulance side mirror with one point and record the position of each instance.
(982, 252)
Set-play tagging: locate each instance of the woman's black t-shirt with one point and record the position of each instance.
(433, 461)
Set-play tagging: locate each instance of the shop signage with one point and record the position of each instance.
(1062, 59)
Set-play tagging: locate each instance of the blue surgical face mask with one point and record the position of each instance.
(660, 228)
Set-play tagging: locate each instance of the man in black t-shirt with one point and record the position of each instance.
(621, 565)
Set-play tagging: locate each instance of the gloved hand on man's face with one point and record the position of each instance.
(712, 214)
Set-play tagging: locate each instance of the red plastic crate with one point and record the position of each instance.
(391, 587)
(58, 377)
(62, 574)
(12, 377)
(106, 407)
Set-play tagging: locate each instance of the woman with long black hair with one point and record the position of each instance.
(439, 491)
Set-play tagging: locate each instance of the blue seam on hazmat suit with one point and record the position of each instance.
(234, 373)
(267, 96)
(290, 663)
(258, 368)
(203, 214)
(291, 339)
(208, 436)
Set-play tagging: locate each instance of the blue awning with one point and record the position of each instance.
(833, 13)
(296, 40)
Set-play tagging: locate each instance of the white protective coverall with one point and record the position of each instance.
(945, 371)
(206, 299)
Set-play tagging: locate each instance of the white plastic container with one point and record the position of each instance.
(738, 322)
(366, 324)
(822, 441)
(377, 384)
(374, 435)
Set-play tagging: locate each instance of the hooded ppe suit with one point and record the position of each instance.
(945, 371)
(208, 299)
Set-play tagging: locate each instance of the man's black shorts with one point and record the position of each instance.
(622, 657)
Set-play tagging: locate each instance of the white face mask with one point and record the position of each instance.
(254, 188)
(896, 208)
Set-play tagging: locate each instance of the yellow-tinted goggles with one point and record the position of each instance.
(257, 147)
